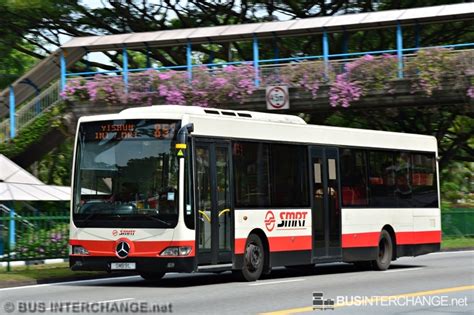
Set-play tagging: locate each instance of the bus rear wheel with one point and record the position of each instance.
(254, 258)
(152, 276)
(385, 252)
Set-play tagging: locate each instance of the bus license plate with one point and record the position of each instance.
(123, 266)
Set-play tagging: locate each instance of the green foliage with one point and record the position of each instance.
(55, 168)
(33, 132)
(373, 73)
(428, 68)
(13, 64)
(47, 242)
(457, 183)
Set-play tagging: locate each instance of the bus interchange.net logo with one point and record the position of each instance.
(109, 307)
(320, 303)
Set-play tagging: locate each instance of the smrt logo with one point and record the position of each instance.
(270, 221)
(123, 233)
(292, 219)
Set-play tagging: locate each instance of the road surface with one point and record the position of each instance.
(439, 283)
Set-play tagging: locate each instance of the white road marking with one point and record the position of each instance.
(275, 282)
(89, 303)
(70, 282)
(452, 252)
(138, 277)
(403, 269)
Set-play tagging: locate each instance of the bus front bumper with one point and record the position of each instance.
(143, 264)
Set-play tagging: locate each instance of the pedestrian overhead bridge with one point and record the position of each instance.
(40, 88)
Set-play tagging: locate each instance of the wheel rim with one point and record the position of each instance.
(254, 257)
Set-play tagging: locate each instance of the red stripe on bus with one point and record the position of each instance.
(138, 248)
(360, 239)
(279, 243)
(371, 239)
(425, 237)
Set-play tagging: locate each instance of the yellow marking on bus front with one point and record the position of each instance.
(374, 299)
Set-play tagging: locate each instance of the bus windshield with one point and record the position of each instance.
(126, 174)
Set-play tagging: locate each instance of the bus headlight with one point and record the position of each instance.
(176, 251)
(79, 250)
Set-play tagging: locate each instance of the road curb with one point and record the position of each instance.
(456, 249)
(34, 262)
(20, 283)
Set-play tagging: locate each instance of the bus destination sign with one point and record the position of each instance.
(130, 129)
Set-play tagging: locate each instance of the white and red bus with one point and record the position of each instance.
(184, 189)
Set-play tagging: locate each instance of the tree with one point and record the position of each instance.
(44, 22)
(35, 28)
(13, 64)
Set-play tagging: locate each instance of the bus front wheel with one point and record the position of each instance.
(254, 258)
(152, 276)
(385, 252)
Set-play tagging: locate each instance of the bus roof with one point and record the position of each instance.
(215, 122)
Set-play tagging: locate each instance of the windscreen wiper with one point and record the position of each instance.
(148, 215)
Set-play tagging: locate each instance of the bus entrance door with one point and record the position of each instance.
(212, 195)
(326, 204)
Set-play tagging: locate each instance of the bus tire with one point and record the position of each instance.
(384, 253)
(152, 276)
(254, 258)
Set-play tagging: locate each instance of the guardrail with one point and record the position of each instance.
(40, 237)
(29, 111)
(33, 237)
(458, 223)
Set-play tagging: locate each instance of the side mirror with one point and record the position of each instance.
(183, 134)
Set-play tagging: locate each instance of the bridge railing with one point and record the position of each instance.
(271, 71)
(38, 237)
(29, 111)
(268, 72)
(267, 67)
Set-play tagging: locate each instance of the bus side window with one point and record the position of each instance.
(354, 177)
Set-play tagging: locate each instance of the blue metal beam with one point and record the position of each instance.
(125, 68)
(417, 35)
(276, 49)
(148, 56)
(12, 113)
(86, 59)
(189, 61)
(400, 50)
(325, 52)
(211, 57)
(256, 61)
(62, 64)
(345, 42)
(12, 227)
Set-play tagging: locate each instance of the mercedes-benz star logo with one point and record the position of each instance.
(122, 249)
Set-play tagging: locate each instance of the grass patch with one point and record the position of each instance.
(457, 242)
(37, 273)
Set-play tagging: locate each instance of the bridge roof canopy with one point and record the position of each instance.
(359, 21)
